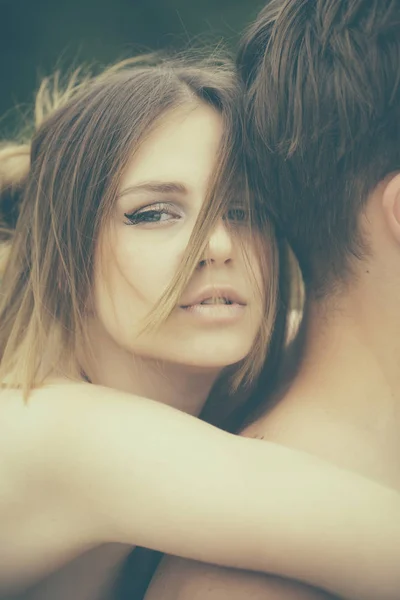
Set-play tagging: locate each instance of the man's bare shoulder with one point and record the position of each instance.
(179, 579)
(329, 434)
(307, 426)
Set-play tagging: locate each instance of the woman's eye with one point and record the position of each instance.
(238, 215)
(152, 215)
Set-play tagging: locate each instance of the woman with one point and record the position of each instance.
(134, 273)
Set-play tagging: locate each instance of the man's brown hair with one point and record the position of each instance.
(323, 81)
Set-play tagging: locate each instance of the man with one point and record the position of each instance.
(323, 80)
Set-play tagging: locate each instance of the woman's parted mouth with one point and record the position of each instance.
(215, 296)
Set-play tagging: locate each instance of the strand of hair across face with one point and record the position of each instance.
(85, 377)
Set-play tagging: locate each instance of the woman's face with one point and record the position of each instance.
(161, 193)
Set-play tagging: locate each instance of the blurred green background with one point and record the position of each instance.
(39, 36)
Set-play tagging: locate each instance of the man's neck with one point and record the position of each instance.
(351, 355)
(341, 398)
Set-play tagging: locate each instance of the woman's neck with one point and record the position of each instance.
(180, 386)
(164, 382)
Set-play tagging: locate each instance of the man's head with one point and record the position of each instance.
(323, 79)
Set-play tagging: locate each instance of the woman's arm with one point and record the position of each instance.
(143, 473)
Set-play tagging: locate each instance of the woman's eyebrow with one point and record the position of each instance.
(160, 187)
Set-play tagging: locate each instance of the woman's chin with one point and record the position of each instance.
(214, 360)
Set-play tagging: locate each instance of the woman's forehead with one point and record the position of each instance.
(182, 147)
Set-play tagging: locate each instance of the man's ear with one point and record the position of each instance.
(391, 205)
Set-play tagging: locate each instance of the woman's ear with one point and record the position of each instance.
(391, 205)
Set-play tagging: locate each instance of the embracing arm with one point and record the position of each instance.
(146, 474)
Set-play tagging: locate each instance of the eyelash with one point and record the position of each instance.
(138, 217)
(238, 215)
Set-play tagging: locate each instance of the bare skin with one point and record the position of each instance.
(343, 405)
(101, 481)
(350, 438)
(85, 466)
(180, 579)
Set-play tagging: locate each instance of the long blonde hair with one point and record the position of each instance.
(58, 190)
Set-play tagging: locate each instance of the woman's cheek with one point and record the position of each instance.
(148, 270)
(149, 259)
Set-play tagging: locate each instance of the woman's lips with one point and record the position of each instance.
(216, 312)
(215, 295)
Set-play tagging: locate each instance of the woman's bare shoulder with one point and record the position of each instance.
(27, 421)
(42, 436)
(31, 433)
(49, 407)
(41, 518)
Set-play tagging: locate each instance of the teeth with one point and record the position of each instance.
(216, 301)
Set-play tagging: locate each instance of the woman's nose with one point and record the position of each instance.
(220, 248)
